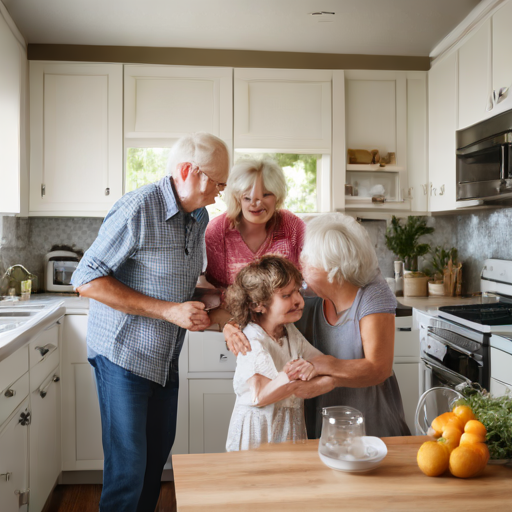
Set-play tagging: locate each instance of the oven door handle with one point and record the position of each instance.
(455, 347)
(431, 365)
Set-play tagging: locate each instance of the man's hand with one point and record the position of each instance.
(316, 387)
(300, 369)
(236, 340)
(189, 315)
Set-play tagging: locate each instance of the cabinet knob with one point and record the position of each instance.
(441, 190)
(107, 191)
(425, 188)
(7, 476)
(10, 393)
(42, 350)
(25, 418)
(223, 358)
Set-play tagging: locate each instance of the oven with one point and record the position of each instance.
(452, 355)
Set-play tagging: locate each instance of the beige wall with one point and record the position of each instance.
(229, 58)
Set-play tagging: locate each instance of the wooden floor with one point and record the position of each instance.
(86, 498)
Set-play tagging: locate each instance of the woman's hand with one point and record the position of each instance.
(236, 340)
(300, 369)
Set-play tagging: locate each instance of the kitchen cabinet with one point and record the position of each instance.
(501, 62)
(387, 111)
(14, 460)
(474, 76)
(76, 159)
(442, 113)
(501, 372)
(81, 423)
(406, 366)
(13, 61)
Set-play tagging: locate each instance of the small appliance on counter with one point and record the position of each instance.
(59, 267)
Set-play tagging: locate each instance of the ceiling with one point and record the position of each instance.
(374, 27)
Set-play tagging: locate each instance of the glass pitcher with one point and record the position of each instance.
(342, 432)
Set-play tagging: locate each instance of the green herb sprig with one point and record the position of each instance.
(496, 415)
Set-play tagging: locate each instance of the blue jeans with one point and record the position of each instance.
(138, 423)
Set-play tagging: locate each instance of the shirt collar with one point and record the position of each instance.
(172, 206)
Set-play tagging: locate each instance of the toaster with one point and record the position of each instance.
(59, 267)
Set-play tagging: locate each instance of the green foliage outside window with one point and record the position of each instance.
(145, 165)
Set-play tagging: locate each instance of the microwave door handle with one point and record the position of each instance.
(503, 166)
(455, 347)
(430, 365)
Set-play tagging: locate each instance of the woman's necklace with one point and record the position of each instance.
(281, 337)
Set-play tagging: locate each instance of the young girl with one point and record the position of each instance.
(265, 301)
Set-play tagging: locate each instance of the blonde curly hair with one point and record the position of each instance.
(256, 284)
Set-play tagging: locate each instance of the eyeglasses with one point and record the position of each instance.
(220, 186)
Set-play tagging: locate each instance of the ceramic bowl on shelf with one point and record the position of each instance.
(356, 460)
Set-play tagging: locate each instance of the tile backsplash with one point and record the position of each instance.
(478, 235)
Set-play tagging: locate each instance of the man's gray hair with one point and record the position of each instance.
(202, 149)
(339, 245)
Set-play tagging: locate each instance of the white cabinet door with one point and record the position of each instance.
(407, 375)
(442, 110)
(501, 61)
(282, 109)
(475, 76)
(11, 58)
(211, 403)
(167, 102)
(81, 423)
(76, 159)
(13, 461)
(45, 440)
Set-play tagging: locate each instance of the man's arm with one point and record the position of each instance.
(113, 293)
(378, 338)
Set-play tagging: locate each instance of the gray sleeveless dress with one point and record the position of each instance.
(381, 405)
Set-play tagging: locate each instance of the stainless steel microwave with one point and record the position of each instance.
(484, 160)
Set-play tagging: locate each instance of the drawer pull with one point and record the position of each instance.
(25, 418)
(10, 393)
(404, 329)
(44, 350)
(44, 391)
(7, 476)
(223, 358)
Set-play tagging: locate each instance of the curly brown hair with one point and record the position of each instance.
(256, 283)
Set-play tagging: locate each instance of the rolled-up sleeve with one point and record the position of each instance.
(117, 240)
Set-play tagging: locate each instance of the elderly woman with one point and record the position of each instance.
(254, 223)
(352, 320)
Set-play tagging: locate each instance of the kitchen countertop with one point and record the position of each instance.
(433, 302)
(292, 477)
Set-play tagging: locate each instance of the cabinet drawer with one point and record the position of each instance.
(207, 352)
(407, 342)
(501, 366)
(8, 403)
(13, 367)
(43, 345)
(41, 370)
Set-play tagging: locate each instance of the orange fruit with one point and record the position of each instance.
(451, 437)
(483, 451)
(464, 413)
(465, 462)
(477, 428)
(468, 438)
(433, 458)
(445, 419)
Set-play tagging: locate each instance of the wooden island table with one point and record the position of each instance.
(289, 476)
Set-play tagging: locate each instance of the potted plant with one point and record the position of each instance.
(402, 239)
(439, 260)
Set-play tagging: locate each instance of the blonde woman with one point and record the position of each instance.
(254, 223)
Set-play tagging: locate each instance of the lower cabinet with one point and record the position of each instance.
(211, 403)
(81, 422)
(14, 461)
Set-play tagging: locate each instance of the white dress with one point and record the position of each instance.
(250, 425)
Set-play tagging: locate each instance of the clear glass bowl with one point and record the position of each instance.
(431, 404)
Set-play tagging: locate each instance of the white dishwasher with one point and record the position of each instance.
(501, 364)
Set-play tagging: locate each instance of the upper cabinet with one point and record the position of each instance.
(442, 113)
(76, 164)
(167, 102)
(475, 76)
(13, 62)
(387, 111)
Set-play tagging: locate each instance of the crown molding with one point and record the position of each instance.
(14, 29)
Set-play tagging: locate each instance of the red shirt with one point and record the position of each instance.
(227, 252)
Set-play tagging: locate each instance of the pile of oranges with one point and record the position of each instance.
(460, 446)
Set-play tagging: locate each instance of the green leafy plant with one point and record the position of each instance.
(496, 415)
(440, 258)
(402, 239)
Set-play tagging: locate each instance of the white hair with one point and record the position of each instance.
(339, 245)
(242, 177)
(202, 149)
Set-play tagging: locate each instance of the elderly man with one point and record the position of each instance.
(140, 273)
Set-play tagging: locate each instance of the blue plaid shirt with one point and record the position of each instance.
(148, 244)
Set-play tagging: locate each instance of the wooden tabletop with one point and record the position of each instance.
(291, 477)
